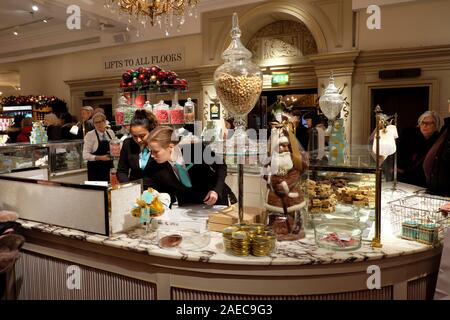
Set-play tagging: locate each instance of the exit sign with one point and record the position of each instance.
(280, 78)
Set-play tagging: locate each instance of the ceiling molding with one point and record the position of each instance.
(57, 46)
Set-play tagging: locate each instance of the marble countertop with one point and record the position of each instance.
(300, 252)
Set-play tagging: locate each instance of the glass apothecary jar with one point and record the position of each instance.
(162, 112)
(122, 105)
(177, 111)
(189, 111)
(238, 82)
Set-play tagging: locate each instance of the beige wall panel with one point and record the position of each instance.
(412, 24)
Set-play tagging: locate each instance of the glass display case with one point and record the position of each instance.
(58, 157)
(341, 199)
(20, 156)
(66, 156)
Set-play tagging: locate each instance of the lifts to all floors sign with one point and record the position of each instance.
(169, 59)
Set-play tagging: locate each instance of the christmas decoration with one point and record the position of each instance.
(152, 78)
(38, 101)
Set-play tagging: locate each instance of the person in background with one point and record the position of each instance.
(25, 133)
(185, 173)
(66, 124)
(316, 136)
(14, 130)
(52, 123)
(437, 162)
(413, 146)
(96, 150)
(301, 132)
(85, 124)
(135, 161)
(101, 110)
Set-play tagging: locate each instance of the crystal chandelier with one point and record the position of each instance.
(160, 12)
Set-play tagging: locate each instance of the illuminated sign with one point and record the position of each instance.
(280, 78)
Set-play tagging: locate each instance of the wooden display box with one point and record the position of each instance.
(227, 217)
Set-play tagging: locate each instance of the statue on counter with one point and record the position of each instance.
(284, 198)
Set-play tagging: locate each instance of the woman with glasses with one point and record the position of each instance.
(96, 149)
(135, 156)
(413, 146)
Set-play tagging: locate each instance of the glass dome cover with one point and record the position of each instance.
(331, 101)
(238, 82)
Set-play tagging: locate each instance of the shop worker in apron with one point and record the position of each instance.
(96, 149)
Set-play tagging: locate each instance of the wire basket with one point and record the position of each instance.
(421, 209)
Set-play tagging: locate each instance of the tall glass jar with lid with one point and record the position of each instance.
(238, 82)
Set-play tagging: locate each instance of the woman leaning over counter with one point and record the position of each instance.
(96, 149)
(135, 161)
(185, 173)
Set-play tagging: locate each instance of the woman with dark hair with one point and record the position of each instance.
(66, 124)
(187, 171)
(135, 161)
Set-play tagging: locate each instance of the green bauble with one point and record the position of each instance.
(135, 74)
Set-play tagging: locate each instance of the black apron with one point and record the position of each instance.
(99, 170)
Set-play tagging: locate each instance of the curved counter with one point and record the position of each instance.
(61, 263)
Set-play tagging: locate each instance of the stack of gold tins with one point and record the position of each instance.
(243, 239)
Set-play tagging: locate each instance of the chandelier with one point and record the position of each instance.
(159, 12)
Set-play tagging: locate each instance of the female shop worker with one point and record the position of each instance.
(96, 149)
(135, 161)
(187, 172)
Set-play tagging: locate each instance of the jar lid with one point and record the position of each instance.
(236, 49)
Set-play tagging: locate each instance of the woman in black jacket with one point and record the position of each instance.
(135, 161)
(437, 163)
(413, 146)
(191, 173)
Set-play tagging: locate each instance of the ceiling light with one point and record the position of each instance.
(35, 8)
(15, 32)
(44, 20)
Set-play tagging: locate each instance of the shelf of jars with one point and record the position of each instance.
(150, 89)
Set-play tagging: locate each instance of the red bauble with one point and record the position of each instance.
(162, 75)
(141, 76)
(123, 84)
(171, 76)
(177, 83)
(154, 70)
(130, 84)
(141, 69)
(184, 84)
(126, 77)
